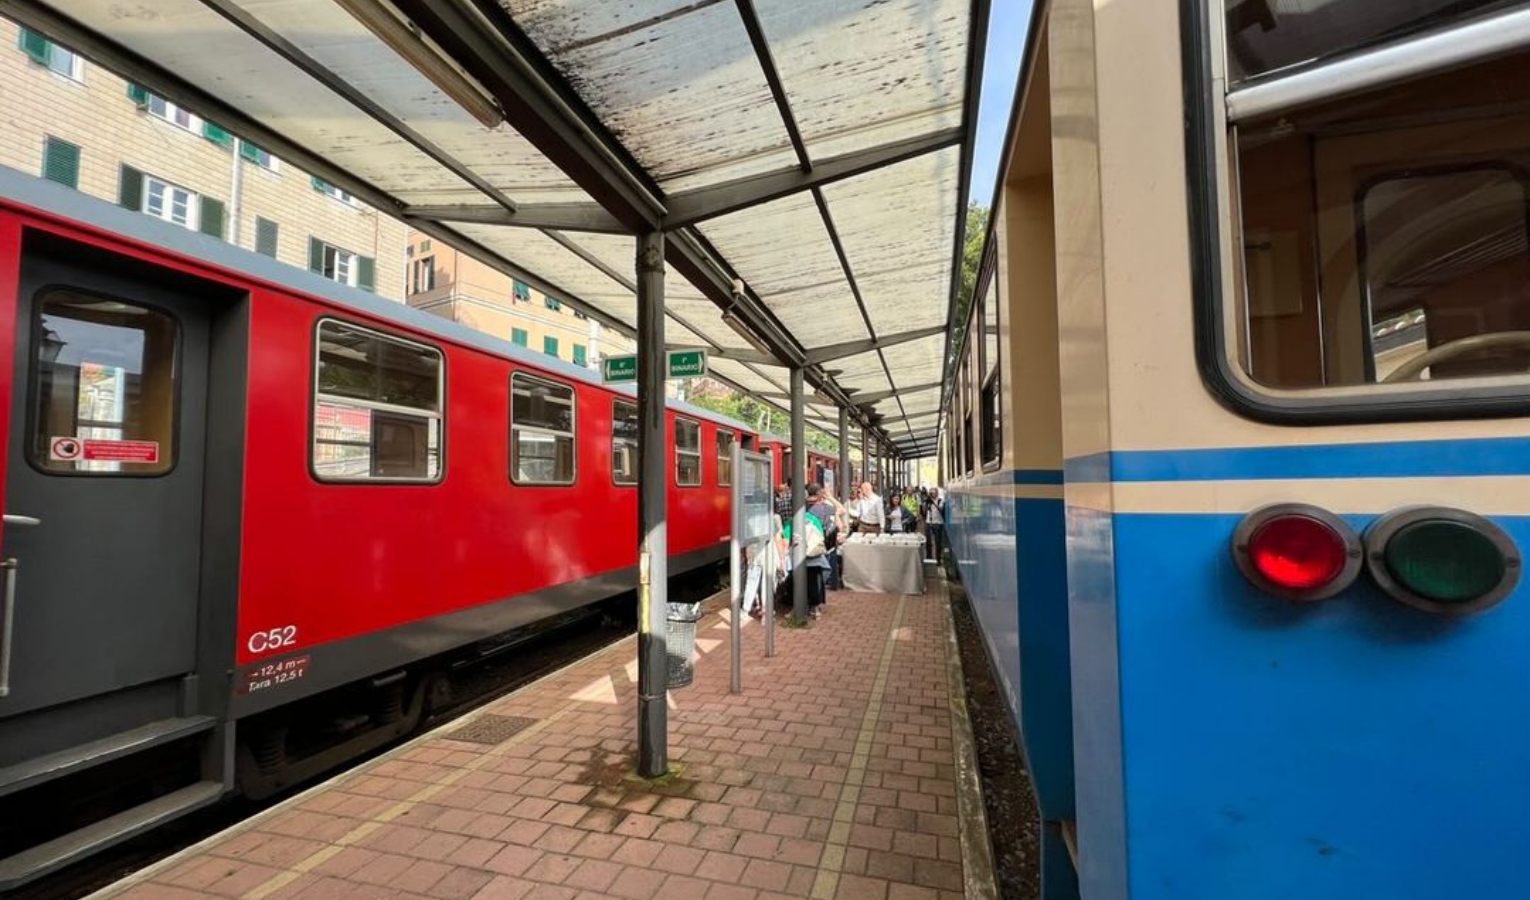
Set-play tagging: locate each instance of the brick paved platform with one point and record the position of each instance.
(837, 773)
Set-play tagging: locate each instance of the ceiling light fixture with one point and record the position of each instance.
(390, 26)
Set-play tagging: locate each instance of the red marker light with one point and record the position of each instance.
(1297, 551)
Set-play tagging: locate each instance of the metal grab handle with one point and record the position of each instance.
(10, 566)
(11, 519)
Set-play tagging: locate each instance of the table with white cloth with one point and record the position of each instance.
(883, 563)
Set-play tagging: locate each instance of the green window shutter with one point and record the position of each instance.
(265, 237)
(249, 151)
(212, 216)
(139, 95)
(35, 45)
(217, 135)
(518, 337)
(315, 255)
(550, 346)
(130, 189)
(366, 273)
(318, 183)
(61, 162)
(579, 357)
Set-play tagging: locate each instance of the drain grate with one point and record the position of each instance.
(491, 729)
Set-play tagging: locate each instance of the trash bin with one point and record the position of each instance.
(680, 642)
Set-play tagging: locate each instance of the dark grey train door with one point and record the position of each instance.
(103, 498)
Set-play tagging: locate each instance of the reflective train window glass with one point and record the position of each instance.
(104, 387)
(541, 431)
(1384, 237)
(687, 452)
(1264, 36)
(624, 442)
(377, 407)
(724, 458)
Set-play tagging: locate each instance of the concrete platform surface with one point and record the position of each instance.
(843, 770)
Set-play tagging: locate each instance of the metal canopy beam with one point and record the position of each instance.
(486, 42)
(690, 207)
(563, 216)
(767, 62)
(820, 355)
(867, 399)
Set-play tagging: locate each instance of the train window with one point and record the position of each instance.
(104, 387)
(1383, 237)
(991, 420)
(541, 431)
(988, 408)
(724, 458)
(687, 452)
(377, 407)
(624, 442)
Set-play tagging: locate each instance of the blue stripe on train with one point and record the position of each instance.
(1398, 459)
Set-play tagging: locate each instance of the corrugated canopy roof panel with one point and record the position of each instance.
(209, 50)
(846, 237)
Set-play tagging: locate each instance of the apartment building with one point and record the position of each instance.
(458, 287)
(81, 125)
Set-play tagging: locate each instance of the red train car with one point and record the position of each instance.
(821, 467)
(250, 513)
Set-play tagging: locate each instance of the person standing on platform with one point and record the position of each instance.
(935, 525)
(820, 567)
(784, 502)
(869, 510)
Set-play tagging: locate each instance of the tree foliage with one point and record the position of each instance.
(975, 239)
(764, 417)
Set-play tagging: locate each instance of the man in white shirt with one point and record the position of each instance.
(868, 509)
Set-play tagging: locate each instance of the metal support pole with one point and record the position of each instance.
(738, 574)
(653, 539)
(799, 502)
(844, 489)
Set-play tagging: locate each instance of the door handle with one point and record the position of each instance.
(11, 519)
(7, 619)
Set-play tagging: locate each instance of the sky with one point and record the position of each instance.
(1007, 24)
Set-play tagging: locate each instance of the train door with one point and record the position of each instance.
(103, 506)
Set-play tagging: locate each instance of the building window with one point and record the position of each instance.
(176, 115)
(687, 452)
(377, 407)
(265, 236)
(624, 442)
(580, 359)
(163, 200)
(724, 458)
(518, 337)
(422, 276)
(552, 303)
(172, 203)
(325, 187)
(550, 346)
(258, 155)
(520, 291)
(541, 431)
(46, 53)
(580, 315)
(61, 162)
(344, 266)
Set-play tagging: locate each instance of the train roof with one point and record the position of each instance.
(58, 201)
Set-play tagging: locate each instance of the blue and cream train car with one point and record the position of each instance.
(1238, 446)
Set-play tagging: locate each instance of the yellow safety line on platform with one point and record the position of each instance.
(832, 862)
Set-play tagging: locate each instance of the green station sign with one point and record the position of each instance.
(682, 364)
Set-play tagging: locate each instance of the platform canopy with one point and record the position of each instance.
(807, 159)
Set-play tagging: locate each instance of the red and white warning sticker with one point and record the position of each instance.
(73, 449)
